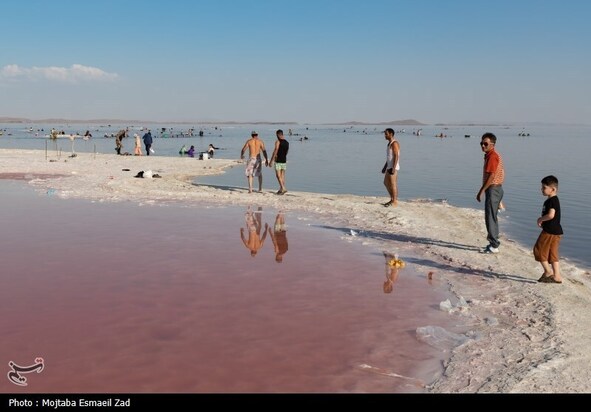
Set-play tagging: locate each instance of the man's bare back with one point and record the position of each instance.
(255, 147)
(254, 164)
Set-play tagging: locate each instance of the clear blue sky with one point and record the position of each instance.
(306, 61)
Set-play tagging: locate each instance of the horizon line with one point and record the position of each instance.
(404, 122)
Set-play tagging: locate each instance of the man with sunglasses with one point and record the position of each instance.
(492, 187)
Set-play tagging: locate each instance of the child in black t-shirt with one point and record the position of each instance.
(546, 247)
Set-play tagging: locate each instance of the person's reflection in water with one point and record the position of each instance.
(254, 225)
(279, 237)
(393, 265)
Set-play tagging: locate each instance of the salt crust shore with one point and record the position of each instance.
(524, 337)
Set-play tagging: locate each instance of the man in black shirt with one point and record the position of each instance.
(280, 158)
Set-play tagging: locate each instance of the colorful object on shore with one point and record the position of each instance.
(396, 263)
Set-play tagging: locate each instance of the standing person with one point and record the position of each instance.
(148, 142)
(279, 237)
(254, 163)
(118, 137)
(493, 175)
(391, 167)
(280, 158)
(546, 247)
(138, 145)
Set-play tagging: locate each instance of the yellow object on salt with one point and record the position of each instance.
(398, 263)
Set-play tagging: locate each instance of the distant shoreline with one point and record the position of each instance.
(405, 122)
(23, 120)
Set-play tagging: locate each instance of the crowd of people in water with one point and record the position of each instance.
(190, 152)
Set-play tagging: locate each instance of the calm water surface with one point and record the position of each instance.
(171, 298)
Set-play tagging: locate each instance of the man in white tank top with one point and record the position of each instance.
(391, 167)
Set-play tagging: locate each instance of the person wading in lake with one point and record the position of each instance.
(118, 140)
(148, 142)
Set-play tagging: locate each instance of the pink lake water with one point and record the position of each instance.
(120, 297)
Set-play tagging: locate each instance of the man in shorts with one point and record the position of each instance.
(254, 163)
(279, 157)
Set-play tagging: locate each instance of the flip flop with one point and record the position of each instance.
(387, 204)
(544, 278)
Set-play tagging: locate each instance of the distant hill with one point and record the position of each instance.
(69, 121)
(406, 122)
(12, 120)
(256, 122)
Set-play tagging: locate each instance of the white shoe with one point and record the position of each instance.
(490, 249)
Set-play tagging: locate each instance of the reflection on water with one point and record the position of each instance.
(393, 265)
(279, 237)
(257, 233)
(92, 289)
(254, 226)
